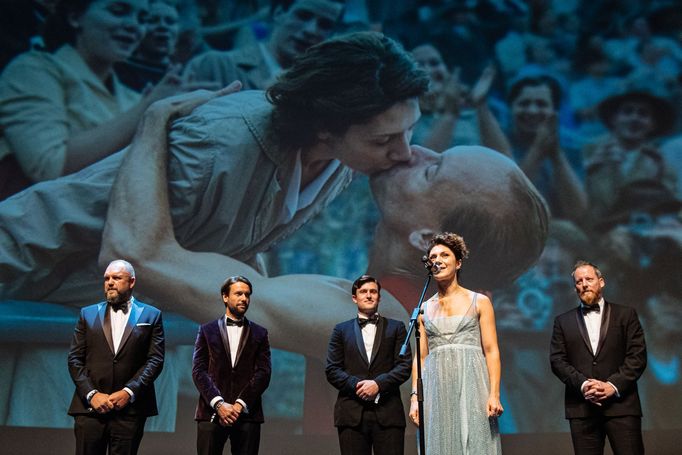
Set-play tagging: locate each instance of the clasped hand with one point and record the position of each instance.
(103, 403)
(596, 391)
(229, 413)
(367, 389)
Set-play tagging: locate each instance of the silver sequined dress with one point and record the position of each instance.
(456, 387)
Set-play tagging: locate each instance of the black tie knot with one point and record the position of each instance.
(234, 323)
(119, 307)
(370, 320)
(590, 308)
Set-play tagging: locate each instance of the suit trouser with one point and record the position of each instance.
(122, 433)
(370, 434)
(624, 433)
(244, 438)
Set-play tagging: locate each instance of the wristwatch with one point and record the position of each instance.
(219, 404)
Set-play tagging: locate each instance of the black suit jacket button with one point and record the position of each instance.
(594, 363)
(115, 361)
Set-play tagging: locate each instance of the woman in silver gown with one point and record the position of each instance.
(460, 361)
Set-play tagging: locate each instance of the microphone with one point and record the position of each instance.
(430, 266)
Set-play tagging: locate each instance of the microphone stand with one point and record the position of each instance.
(403, 350)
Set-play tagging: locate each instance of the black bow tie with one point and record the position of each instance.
(371, 320)
(235, 323)
(119, 307)
(586, 309)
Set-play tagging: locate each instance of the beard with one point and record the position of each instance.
(118, 298)
(589, 297)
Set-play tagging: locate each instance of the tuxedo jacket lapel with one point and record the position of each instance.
(378, 336)
(605, 321)
(134, 316)
(105, 321)
(580, 319)
(357, 331)
(246, 331)
(224, 338)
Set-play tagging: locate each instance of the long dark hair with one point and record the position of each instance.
(341, 82)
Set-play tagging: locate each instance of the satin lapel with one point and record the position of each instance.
(378, 336)
(357, 331)
(105, 321)
(135, 313)
(583, 329)
(246, 331)
(223, 336)
(605, 320)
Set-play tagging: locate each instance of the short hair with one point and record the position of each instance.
(225, 288)
(535, 81)
(582, 263)
(364, 279)
(503, 246)
(126, 265)
(341, 82)
(451, 240)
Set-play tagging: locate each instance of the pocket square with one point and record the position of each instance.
(139, 324)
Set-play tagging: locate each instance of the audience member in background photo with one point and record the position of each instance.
(153, 57)
(63, 110)
(536, 142)
(627, 178)
(450, 107)
(296, 25)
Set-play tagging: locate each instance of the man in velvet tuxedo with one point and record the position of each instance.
(231, 368)
(598, 352)
(116, 353)
(364, 364)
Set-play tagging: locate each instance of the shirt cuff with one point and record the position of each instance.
(614, 388)
(130, 392)
(376, 400)
(91, 394)
(215, 400)
(582, 387)
(246, 408)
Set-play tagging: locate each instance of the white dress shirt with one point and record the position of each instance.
(593, 324)
(234, 335)
(118, 319)
(369, 331)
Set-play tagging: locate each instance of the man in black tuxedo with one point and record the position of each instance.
(598, 352)
(231, 368)
(364, 364)
(116, 354)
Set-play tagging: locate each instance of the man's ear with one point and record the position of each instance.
(420, 238)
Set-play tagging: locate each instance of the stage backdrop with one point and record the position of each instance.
(609, 176)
